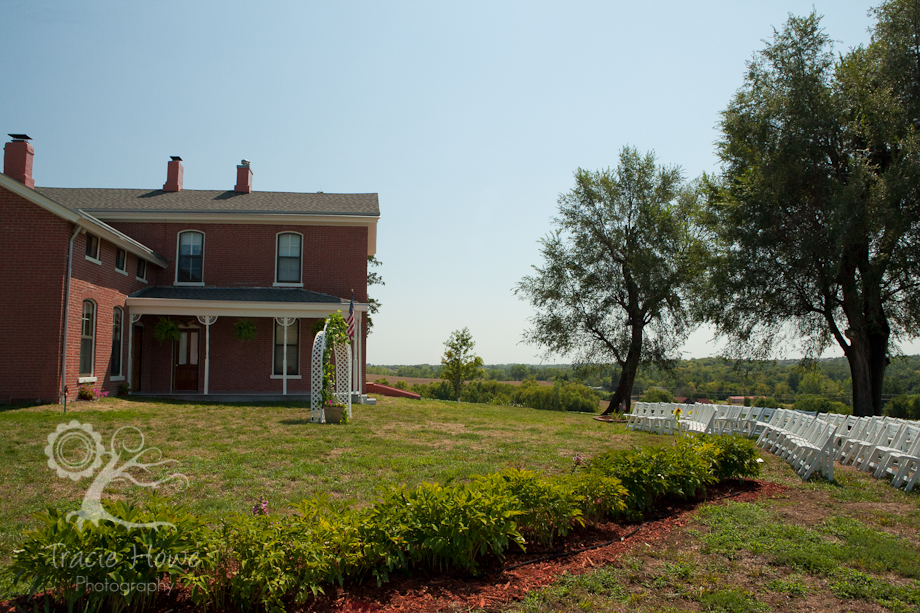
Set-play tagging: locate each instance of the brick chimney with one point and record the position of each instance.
(173, 175)
(17, 159)
(243, 177)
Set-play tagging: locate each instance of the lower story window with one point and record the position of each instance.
(116, 341)
(87, 338)
(293, 348)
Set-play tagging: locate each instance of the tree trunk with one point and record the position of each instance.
(628, 372)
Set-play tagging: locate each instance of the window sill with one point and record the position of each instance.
(189, 284)
(121, 378)
(122, 272)
(86, 380)
(93, 260)
(141, 280)
(290, 377)
(276, 284)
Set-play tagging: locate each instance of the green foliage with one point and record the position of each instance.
(73, 561)
(382, 381)
(656, 394)
(336, 334)
(613, 284)
(166, 330)
(904, 406)
(547, 507)
(244, 330)
(401, 385)
(766, 402)
(442, 527)
(821, 405)
(373, 305)
(681, 470)
(459, 363)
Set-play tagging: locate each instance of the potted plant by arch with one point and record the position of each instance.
(336, 333)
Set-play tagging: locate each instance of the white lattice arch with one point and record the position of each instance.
(341, 357)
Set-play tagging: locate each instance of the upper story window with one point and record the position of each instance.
(288, 266)
(191, 256)
(141, 269)
(121, 260)
(87, 338)
(92, 247)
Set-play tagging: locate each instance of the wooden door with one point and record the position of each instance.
(185, 375)
(136, 358)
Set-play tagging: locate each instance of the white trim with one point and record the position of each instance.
(122, 272)
(86, 380)
(236, 308)
(98, 258)
(84, 220)
(141, 280)
(278, 283)
(178, 246)
(279, 377)
(95, 336)
(93, 260)
(118, 378)
(121, 341)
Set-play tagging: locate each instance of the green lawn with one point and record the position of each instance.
(234, 454)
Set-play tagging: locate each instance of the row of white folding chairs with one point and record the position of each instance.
(803, 440)
(888, 447)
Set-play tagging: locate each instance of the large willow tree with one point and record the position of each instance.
(815, 218)
(616, 269)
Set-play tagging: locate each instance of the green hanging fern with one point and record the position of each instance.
(244, 330)
(166, 330)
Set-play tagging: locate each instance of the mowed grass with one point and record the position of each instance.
(235, 454)
(849, 545)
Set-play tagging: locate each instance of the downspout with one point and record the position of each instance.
(67, 315)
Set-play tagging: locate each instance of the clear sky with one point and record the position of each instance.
(467, 118)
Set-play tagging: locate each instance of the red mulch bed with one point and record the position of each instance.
(502, 583)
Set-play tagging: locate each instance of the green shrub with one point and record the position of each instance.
(598, 496)
(438, 390)
(81, 565)
(562, 396)
(547, 507)
(681, 470)
(401, 385)
(656, 394)
(439, 527)
(819, 404)
(767, 402)
(905, 406)
(381, 381)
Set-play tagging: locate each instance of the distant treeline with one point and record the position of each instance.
(785, 381)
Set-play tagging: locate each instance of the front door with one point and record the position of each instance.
(185, 375)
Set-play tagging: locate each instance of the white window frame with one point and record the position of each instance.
(144, 278)
(120, 375)
(275, 325)
(288, 283)
(89, 377)
(178, 247)
(124, 270)
(97, 259)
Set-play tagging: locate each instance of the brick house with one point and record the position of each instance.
(86, 275)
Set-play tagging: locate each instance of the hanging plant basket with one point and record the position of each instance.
(244, 330)
(166, 330)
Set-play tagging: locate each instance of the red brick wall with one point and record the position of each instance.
(108, 288)
(33, 264)
(239, 255)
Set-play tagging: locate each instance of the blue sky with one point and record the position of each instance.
(467, 118)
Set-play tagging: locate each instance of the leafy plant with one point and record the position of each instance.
(166, 330)
(85, 392)
(244, 330)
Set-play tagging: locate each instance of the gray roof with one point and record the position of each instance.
(237, 294)
(99, 200)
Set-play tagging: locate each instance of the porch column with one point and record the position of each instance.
(284, 322)
(132, 319)
(207, 320)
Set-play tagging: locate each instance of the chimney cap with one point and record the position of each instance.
(175, 158)
(244, 162)
(19, 136)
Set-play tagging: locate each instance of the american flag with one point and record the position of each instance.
(351, 317)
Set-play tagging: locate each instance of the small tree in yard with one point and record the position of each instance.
(459, 362)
